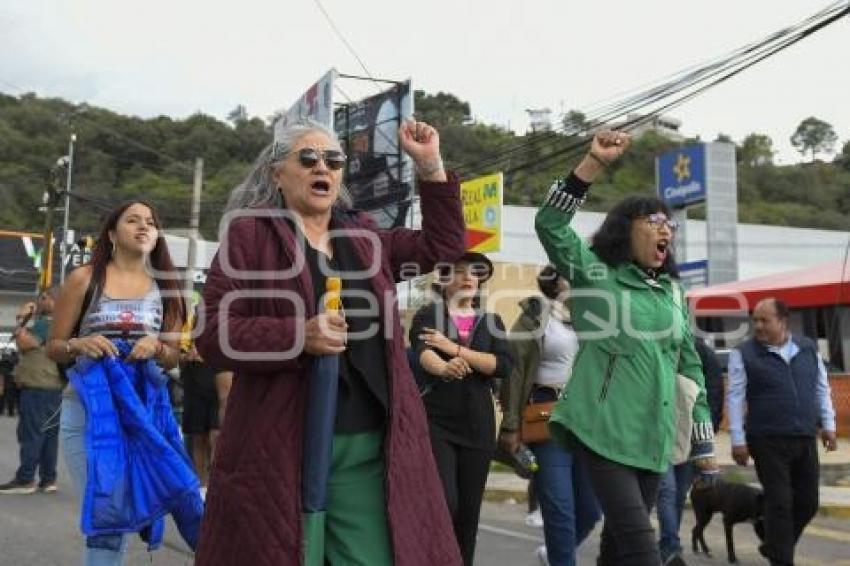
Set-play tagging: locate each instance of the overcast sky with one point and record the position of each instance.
(177, 57)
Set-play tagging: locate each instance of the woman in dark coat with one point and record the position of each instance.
(462, 351)
(286, 232)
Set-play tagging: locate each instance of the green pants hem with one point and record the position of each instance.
(353, 529)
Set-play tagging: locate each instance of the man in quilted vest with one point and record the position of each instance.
(783, 381)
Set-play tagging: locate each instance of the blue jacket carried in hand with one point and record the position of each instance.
(137, 468)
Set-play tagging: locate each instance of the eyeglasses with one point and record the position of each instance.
(657, 220)
(309, 157)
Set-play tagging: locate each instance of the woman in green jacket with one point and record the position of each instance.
(617, 412)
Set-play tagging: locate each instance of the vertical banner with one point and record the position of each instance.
(482, 212)
(315, 104)
(378, 176)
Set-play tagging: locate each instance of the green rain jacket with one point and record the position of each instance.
(633, 334)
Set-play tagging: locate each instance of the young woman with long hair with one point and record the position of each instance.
(130, 290)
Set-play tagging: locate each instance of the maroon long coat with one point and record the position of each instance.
(253, 513)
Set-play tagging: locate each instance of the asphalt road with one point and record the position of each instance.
(42, 530)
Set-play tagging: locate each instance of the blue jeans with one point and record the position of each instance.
(672, 492)
(567, 502)
(101, 550)
(38, 433)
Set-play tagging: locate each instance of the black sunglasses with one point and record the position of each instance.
(333, 158)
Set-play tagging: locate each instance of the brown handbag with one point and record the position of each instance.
(535, 422)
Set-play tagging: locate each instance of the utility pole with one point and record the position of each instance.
(194, 222)
(69, 174)
(46, 279)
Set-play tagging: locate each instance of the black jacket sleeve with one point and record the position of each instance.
(424, 318)
(713, 382)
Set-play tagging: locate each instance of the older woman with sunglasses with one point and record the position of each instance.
(287, 232)
(617, 412)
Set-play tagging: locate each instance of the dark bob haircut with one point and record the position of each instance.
(547, 281)
(613, 241)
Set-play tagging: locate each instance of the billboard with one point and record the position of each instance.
(680, 176)
(482, 212)
(378, 175)
(316, 104)
(21, 267)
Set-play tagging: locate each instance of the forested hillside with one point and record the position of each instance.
(120, 156)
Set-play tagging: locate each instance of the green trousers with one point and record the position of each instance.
(353, 530)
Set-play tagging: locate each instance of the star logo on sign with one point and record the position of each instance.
(682, 168)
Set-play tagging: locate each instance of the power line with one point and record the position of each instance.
(681, 100)
(678, 82)
(345, 42)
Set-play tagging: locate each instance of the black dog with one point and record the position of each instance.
(736, 501)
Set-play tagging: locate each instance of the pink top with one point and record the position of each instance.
(464, 324)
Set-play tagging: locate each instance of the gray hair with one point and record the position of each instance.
(259, 187)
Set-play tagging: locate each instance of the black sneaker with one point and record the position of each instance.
(675, 560)
(18, 487)
(47, 487)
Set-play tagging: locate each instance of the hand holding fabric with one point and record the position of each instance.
(145, 348)
(95, 346)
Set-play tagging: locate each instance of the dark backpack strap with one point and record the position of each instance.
(87, 300)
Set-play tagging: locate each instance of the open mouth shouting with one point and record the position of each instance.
(320, 187)
(661, 248)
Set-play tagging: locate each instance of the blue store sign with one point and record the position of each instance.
(681, 176)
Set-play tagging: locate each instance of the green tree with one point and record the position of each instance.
(843, 158)
(441, 109)
(575, 122)
(815, 136)
(756, 149)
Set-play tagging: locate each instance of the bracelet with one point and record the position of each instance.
(598, 159)
(68, 351)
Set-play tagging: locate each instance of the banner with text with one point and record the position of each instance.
(482, 212)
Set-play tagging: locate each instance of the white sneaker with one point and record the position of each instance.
(542, 555)
(534, 519)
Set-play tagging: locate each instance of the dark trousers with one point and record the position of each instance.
(463, 472)
(626, 496)
(38, 433)
(788, 469)
(9, 399)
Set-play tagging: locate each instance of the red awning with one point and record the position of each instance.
(820, 285)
